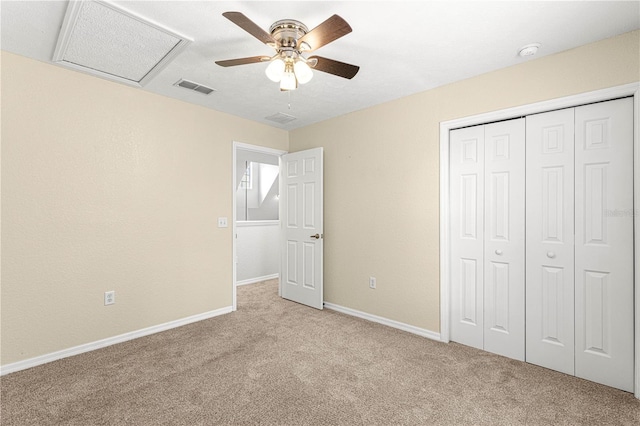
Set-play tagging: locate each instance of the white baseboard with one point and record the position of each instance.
(87, 347)
(385, 321)
(258, 279)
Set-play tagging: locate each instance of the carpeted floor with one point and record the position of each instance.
(277, 362)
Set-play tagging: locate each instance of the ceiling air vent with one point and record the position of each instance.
(102, 39)
(194, 86)
(281, 118)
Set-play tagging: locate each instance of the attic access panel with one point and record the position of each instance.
(102, 39)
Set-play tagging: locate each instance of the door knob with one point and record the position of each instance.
(317, 236)
(499, 252)
(551, 254)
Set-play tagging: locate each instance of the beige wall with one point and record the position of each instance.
(382, 175)
(106, 187)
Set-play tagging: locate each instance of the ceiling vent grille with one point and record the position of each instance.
(281, 118)
(194, 86)
(104, 40)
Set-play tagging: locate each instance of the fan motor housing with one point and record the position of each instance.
(287, 32)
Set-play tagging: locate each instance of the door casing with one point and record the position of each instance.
(632, 89)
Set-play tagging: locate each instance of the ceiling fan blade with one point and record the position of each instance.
(251, 27)
(332, 66)
(328, 31)
(243, 61)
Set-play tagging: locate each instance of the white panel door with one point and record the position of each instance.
(604, 243)
(550, 239)
(504, 238)
(302, 222)
(467, 235)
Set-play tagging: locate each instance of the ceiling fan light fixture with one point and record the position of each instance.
(291, 38)
(288, 81)
(303, 72)
(275, 70)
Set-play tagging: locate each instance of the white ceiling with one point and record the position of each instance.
(402, 47)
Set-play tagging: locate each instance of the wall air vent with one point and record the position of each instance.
(102, 39)
(194, 86)
(281, 118)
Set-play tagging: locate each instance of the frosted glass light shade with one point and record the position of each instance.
(303, 72)
(275, 70)
(288, 81)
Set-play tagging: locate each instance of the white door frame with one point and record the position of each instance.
(632, 89)
(245, 147)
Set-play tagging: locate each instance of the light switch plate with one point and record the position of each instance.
(222, 222)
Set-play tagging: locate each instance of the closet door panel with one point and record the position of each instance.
(504, 238)
(604, 243)
(550, 239)
(467, 235)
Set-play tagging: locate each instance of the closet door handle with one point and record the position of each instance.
(499, 252)
(551, 254)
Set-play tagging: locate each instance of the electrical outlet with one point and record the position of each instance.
(109, 297)
(372, 282)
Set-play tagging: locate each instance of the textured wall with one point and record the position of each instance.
(257, 249)
(382, 175)
(106, 187)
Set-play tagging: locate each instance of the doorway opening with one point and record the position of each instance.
(256, 215)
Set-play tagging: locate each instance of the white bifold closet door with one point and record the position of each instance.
(604, 243)
(467, 235)
(550, 251)
(579, 289)
(487, 246)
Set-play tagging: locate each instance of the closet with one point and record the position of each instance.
(542, 240)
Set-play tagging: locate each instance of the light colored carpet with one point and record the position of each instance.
(277, 362)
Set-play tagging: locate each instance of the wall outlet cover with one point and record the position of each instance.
(109, 297)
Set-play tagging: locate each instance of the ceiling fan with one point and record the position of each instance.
(291, 39)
